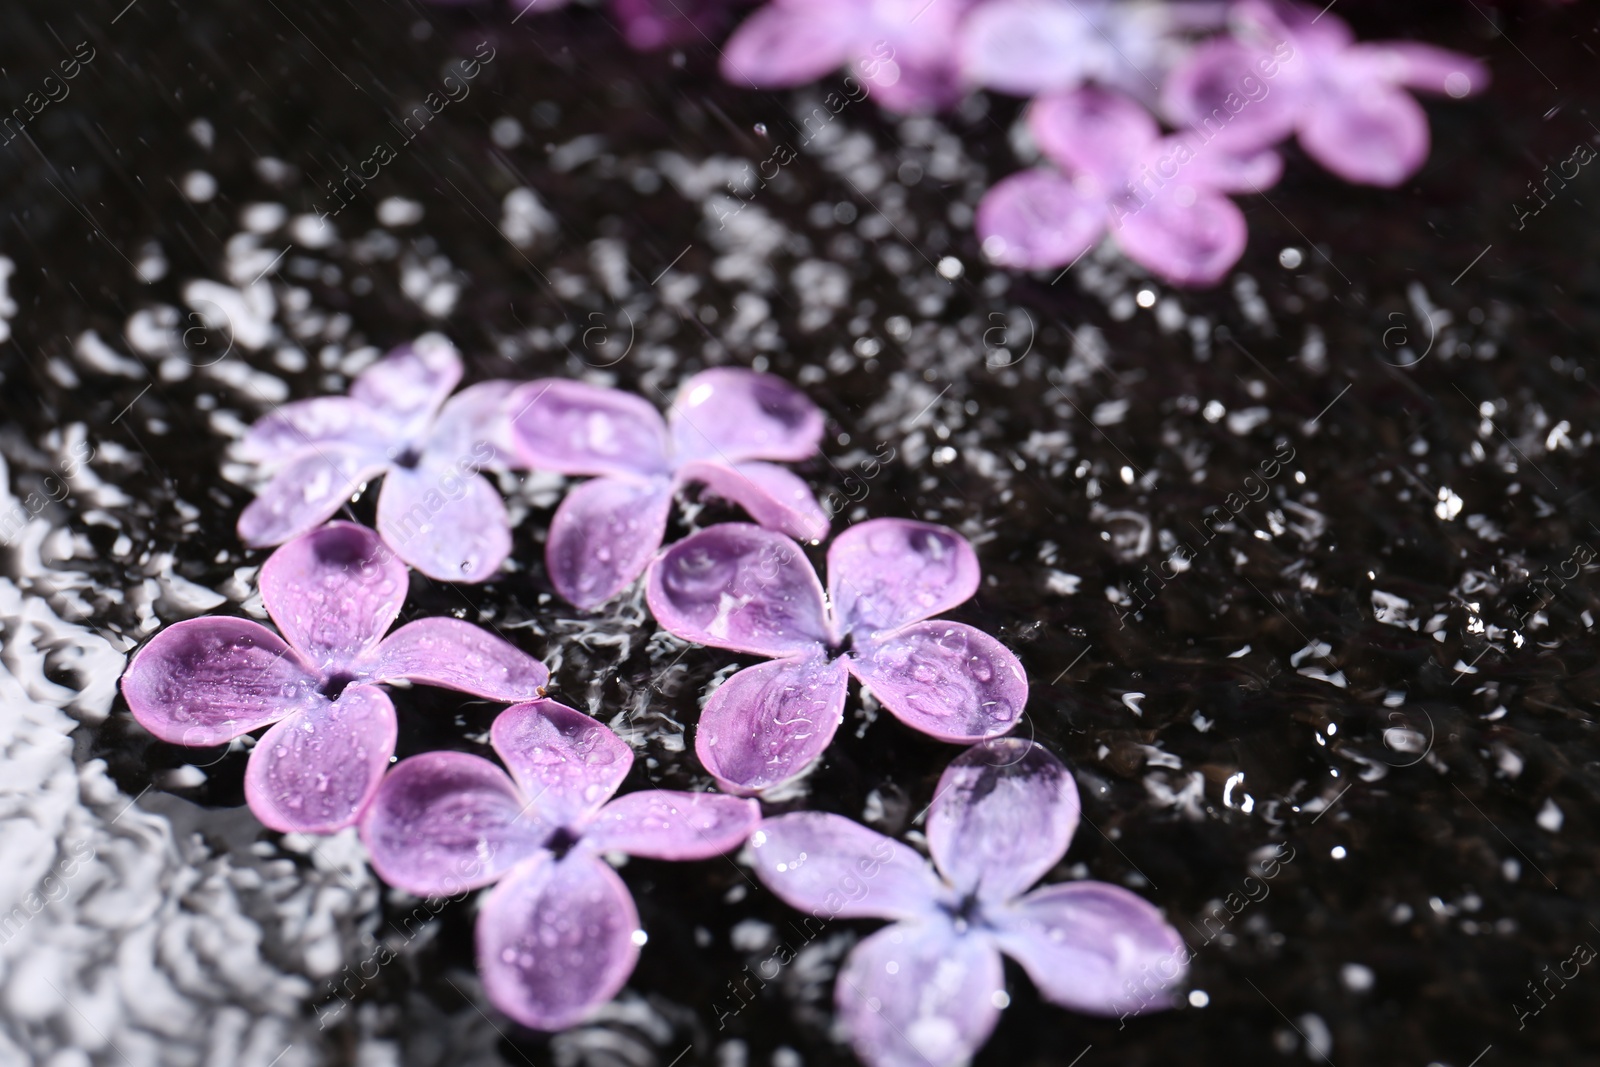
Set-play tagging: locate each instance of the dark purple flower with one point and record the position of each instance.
(333, 593)
(928, 990)
(435, 510)
(559, 935)
(740, 587)
(722, 422)
(1161, 197)
(1292, 68)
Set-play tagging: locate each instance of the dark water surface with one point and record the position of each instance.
(1366, 646)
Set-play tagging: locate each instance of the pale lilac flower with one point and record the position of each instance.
(1161, 197)
(1292, 68)
(928, 990)
(333, 593)
(435, 510)
(740, 587)
(559, 934)
(722, 424)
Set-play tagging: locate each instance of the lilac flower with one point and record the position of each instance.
(1346, 100)
(333, 593)
(1161, 197)
(559, 935)
(928, 990)
(740, 587)
(905, 48)
(721, 423)
(434, 509)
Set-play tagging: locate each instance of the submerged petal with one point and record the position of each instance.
(314, 772)
(445, 822)
(1093, 947)
(946, 679)
(602, 537)
(833, 868)
(885, 573)
(766, 724)
(448, 524)
(206, 681)
(775, 497)
(555, 940)
(918, 994)
(306, 492)
(729, 415)
(666, 824)
(566, 763)
(1003, 815)
(738, 586)
(577, 428)
(458, 655)
(333, 593)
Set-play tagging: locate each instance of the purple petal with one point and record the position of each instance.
(306, 492)
(833, 868)
(946, 679)
(447, 524)
(738, 586)
(1187, 236)
(205, 681)
(602, 537)
(325, 420)
(728, 415)
(1026, 47)
(1093, 131)
(1420, 66)
(314, 772)
(1310, 28)
(1367, 132)
(333, 593)
(652, 24)
(1093, 947)
(918, 994)
(555, 940)
(907, 87)
(765, 725)
(781, 46)
(473, 431)
(566, 763)
(885, 573)
(1038, 219)
(775, 497)
(1187, 160)
(1003, 815)
(665, 824)
(457, 655)
(576, 428)
(1222, 91)
(411, 382)
(445, 822)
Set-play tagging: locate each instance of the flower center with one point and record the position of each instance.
(408, 458)
(336, 684)
(842, 647)
(965, 913)
(561, 842)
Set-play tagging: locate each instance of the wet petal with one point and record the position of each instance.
(1037, 219)
(411, 382)
(730, 414)
(1222, 91)
(885, 573)
(566, 763)
(1093, 947)
(555, 940)
(455, 654)
(1419, 66)
(833, 868)
(333, 593)
(306, 492)
(1002, 816)
(775, 497)
(315, 771)
(1026, 47)
(666, 824)
(448, 524)
(780, 46)
(205, 681)
(765, 725)
(445, 822)
(1093, 131)
(325, 420)
(602, 537)
(738, 586)
(577, 428)
(946, 679)
(473, 431)
(1185, 159)
(1367, 132)
(917, 994)
(916, 88)
(1187, 236)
